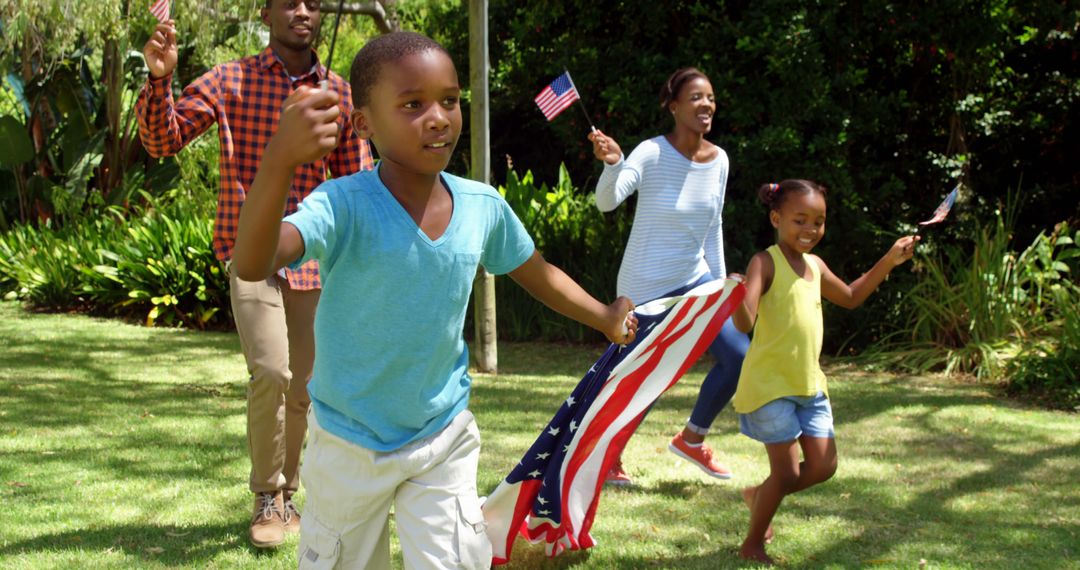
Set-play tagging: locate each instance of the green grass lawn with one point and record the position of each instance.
(124, 447)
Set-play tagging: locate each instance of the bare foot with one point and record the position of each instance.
(755, 553)
(748, 494)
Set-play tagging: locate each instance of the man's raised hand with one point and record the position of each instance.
(160, 50)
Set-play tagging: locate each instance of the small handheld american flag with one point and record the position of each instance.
(160, 10)
(557, 96)
(943, 209)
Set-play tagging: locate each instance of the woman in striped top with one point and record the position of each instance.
(677, 239)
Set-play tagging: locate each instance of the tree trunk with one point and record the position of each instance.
(39, 121)
(111, 172)
(487, 354)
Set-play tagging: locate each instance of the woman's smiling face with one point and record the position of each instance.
(695, 105)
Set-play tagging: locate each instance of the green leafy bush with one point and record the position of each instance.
(1050, 363)
(979, 305)
(166, 269)
(154, 263)
(885, 103)
(39, 265)
(574, 235)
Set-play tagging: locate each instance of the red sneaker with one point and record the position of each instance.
(616, 476)
(702, 456)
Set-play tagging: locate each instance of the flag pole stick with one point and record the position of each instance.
(333, 41)
(583, 109)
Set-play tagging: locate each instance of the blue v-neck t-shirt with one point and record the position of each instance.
(391, 365)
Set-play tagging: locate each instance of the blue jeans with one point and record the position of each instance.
(729, 350)
(719, 385)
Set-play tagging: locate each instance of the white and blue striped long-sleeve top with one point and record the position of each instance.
(677, 236)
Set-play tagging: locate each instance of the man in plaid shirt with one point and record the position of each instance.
(274, 318)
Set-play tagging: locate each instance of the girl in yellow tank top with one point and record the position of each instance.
(782, 398)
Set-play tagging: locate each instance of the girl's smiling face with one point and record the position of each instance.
(413, 115)
(800, 221)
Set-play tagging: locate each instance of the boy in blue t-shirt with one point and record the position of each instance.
(398, 248)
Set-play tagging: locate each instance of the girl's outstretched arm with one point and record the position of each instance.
(759, 275)
(850, 296)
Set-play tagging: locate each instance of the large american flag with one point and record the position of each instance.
(552, 494)
(557, 96)
(943, 209)
(160, 10)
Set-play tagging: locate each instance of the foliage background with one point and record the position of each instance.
(889, 104)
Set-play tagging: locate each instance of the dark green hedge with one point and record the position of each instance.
(887, 103)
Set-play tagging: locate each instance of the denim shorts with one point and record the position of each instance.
(788, 418)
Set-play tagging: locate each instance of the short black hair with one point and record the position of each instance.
(774, 194)
(384, 49)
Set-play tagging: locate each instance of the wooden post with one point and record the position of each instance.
(486, 348)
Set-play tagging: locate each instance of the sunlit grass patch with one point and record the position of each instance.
(124, 447)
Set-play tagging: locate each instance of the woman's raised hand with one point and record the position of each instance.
(605, 148)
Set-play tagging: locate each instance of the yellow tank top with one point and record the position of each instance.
(783, 356)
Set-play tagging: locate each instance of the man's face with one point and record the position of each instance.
(293, 24)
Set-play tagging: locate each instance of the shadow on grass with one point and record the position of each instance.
(116, 400)
(991, 527)
(123, 409)
(166, 545)
(77, 380)
(934, 515)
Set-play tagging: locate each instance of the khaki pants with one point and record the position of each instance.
(431, 484)
(277, 333)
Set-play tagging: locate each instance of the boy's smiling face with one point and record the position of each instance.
(413, 114)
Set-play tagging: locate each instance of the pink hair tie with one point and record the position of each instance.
(774, 188)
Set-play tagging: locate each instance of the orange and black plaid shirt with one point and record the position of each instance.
(245, 97)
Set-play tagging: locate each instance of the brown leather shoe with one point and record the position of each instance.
(268, 520)
(292, 515)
